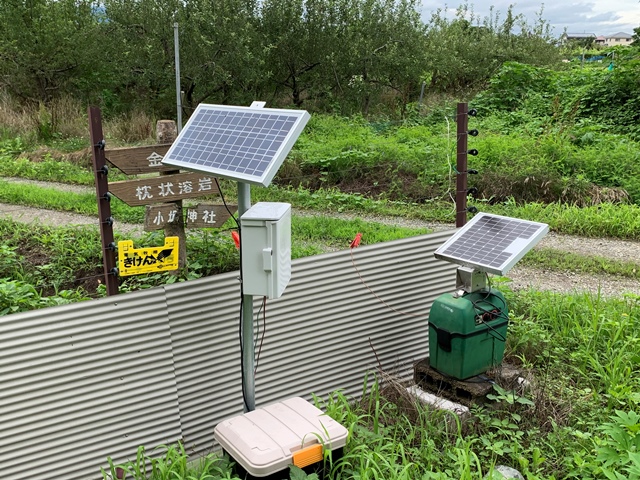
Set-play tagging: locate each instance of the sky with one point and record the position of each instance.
(600, 17)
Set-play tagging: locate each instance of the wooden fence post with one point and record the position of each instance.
(166, 132)
(101, 170)
(462, 121)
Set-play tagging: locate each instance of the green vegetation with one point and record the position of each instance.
(559, 143)
(169, 462)
(346, 56)
(577, 419)
(570, 262)
(43, 266)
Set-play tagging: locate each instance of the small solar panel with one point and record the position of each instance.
(492, 243)
(242, 143)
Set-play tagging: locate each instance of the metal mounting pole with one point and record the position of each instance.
(178, 88)
(462, 120)
(248, 348)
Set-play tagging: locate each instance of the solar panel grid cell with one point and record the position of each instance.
(237, 142)
(492, 243)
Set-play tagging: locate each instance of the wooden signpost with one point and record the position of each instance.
(137, 160)
(161, 194)
(161, 189)
(197, 216)
(208, 216)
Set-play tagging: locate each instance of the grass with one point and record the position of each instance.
(51, 262)
(604, 220)
(557, 260)
(579, 418)
(169, 462)
(54, 199)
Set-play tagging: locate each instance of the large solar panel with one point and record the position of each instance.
(492, 243)
(242, 143)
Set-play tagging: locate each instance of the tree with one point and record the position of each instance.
(636, 37)
(222, 58)
(465, 52)
(47, 47)
(293, 37)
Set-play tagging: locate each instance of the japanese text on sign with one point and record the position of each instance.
(135, 261)
(161, 189)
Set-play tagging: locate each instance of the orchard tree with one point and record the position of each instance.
(466, 51)
(382, 50)
(48, 47)
(222, 60)
(636, 37)
(140, 52)
(296, 38)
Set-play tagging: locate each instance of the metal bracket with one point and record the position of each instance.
(470, 279)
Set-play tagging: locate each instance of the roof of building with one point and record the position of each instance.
(620, 35)
(580, 35)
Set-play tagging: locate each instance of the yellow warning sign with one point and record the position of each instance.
(134, 261)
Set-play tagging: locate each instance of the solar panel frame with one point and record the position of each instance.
(492, 243)
(241, 143)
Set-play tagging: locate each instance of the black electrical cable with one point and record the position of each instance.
(495, 312)
(240, 329)
(263, 308)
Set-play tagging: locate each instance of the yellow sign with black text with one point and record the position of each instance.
(135, 261)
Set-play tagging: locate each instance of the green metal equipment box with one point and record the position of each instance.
(467, 333)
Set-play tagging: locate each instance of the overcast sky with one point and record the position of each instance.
(601, 17)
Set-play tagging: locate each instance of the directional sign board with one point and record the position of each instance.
(208, 216)
(159, 216)
(136, 261)
(137, 160)
(241, 143)
(164, 189)
(197, 216)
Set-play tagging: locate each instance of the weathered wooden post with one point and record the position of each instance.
(101, 170)
(462, 121)
(166, 133)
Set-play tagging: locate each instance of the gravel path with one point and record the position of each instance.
(521, 277)
(563, 282)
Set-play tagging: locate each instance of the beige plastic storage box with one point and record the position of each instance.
(269, 439)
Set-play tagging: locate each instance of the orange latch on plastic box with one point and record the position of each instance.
(307, 456)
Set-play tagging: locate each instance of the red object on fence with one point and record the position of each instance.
(356, 241)
(236, 239)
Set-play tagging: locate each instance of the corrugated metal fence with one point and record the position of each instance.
(86, 381)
